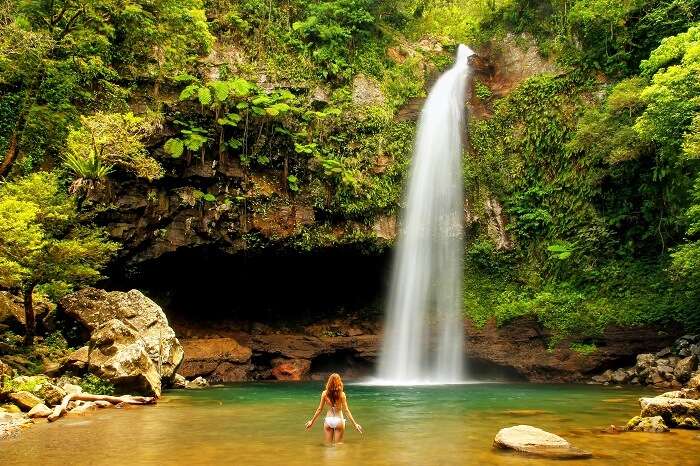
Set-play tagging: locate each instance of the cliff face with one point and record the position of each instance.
(518, 350)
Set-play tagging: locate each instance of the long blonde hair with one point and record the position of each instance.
(334, 388)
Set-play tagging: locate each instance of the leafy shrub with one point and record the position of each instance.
(95, 385)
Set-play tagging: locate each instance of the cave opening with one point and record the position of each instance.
(277, 287)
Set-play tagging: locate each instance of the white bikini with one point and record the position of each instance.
(334, 420)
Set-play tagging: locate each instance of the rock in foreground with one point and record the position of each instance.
(533, 441)
(93, 307)
(119, 355)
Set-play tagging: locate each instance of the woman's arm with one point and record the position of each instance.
(318, 411)
(346, 408)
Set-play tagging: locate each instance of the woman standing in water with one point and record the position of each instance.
(334, 424)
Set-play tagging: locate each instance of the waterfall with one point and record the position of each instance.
(424, 330)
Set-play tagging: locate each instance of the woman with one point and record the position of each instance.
(334, 424)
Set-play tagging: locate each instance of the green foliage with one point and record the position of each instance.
(65, 58)
(331, 28)
(42, 240)
(107, 140)
(584, 349)
(96, 386)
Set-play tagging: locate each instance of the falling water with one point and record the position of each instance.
(424, 335)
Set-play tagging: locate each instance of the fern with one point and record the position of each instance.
(88, 168)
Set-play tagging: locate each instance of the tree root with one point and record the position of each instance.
(61, 409)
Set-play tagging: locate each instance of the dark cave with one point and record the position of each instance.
(208, 284)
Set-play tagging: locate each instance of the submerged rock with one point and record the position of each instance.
(119, 356)
(93, 307)
(537, 442)
(10, 424)
(647, 424)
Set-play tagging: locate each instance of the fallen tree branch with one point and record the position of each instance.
(61, 409)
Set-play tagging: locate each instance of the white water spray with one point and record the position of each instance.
(424, 332)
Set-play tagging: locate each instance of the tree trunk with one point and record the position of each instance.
(29, 317)
(10, 155)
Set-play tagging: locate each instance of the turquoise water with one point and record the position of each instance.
(263, 423)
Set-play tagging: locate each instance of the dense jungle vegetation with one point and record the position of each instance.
(596, 164)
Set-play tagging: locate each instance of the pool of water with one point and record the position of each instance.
(263, 424)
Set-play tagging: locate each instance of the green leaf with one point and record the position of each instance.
(174, 147)
(204, 95)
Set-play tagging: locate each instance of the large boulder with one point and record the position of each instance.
(533, 441)
(119, 356)
(93, 307)
(676, 408)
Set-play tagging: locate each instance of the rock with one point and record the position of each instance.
(645, 360)
(694, 381)
(366, 91)
(199, 382)
(103, 404)
(5, 371)
(665, 371)
(620, 376)
(51, 394)
(203, 357)
(684, 368)
(685, 422)
(77, 361)
(534, 441)
(290, 369)
(664, 352)
(39, 411)
(670, 408)
(10, 408)
(119, 356)
(93, 307)
(695, 350)
(179, 381)
(11, 312)
(71, 388)
(25, 400)
(647, 424)
(11, 423)
(84, 407)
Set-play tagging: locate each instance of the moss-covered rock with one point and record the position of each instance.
(647, 424)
